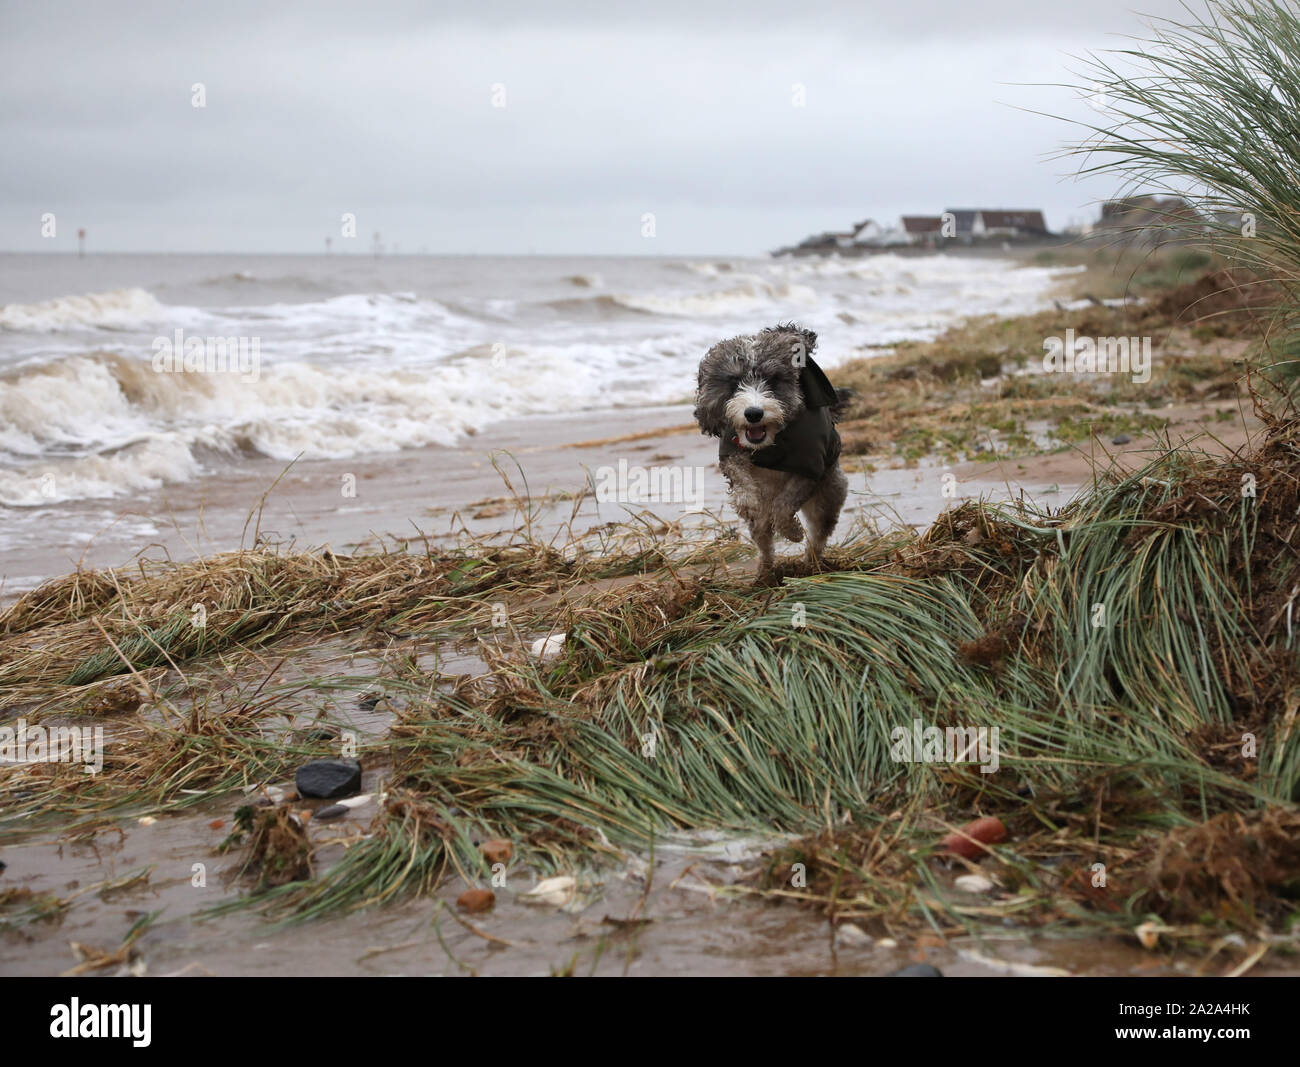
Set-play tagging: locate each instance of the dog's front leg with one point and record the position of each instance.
(822, 511)
(788, 500)
(763, 536)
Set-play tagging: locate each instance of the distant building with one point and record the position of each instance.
(922, 229)
(870, 234)
(973, 223)
(956, 225)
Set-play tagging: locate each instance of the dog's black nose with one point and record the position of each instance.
(754, 414)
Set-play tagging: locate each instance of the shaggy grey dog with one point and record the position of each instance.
(772, 409)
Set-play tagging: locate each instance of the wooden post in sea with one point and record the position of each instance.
(81, 244)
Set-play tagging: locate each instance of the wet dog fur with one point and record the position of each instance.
(748, 389)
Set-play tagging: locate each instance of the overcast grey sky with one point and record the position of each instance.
(680, 108)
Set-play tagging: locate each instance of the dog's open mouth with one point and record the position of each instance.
(755, 434)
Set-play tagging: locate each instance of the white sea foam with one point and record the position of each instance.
(83, 414)
(118, 309)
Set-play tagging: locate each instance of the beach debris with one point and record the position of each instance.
(270, 795)
(473, 900)
(216, 824)
(322, 733)
(330, 811)
(359, 801)
(851, 934)
(147, 820)
(498, 850)
(1148, 934)
(1120, 439)
(279, 850)
(970, 839)
(548, 648)
(557, 891)
(973, 883)
(1021, 970)
(916, 970)
(328, 778)
(886, 942)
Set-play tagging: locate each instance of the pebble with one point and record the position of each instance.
(916, 970)
(270, 795)
(476, 899)
(973, 883)
(329, 778)
(986, 831)
(887, 942)
(358, 801)
(1120, 439)
(497, 850)
(147, 820)
(852, 935)
(332, 811)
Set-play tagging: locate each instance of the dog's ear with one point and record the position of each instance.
(708, 409)
(802, 342)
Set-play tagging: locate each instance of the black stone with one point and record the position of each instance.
(329, 778)
(916, 970)
(1120, 439)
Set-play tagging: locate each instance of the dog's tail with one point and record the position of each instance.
(843, 401)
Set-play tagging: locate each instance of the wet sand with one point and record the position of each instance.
(681, 921)
(440, 494)
(696, 924)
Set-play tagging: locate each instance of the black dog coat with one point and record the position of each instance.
(810, 445)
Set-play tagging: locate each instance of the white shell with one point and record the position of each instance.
(973, 883)
(1149, 934)
(554, 891)
(545, 648)
(852, 935)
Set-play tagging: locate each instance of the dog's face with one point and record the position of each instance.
(748, 386)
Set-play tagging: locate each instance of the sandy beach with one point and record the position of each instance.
(442, 495)
(382, 595)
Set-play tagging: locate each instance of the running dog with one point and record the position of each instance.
(773, 409)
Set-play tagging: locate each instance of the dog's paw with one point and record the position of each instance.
(791, 529)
